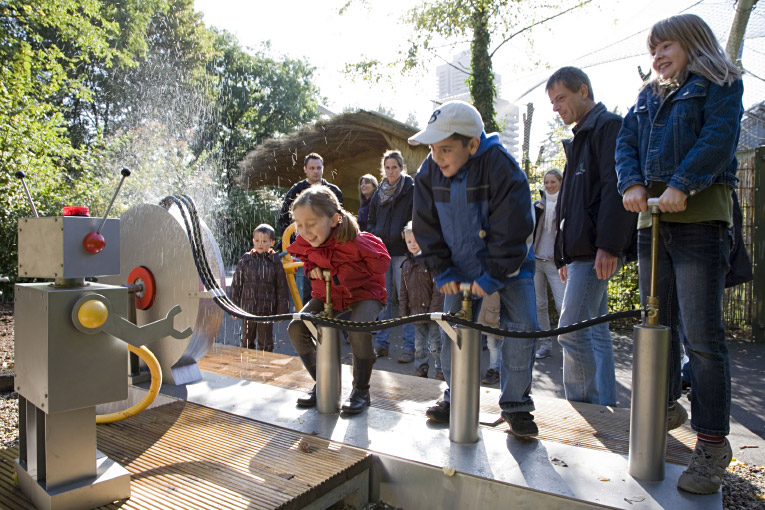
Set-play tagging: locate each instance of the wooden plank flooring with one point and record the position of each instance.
(183, 455)
(573, 423)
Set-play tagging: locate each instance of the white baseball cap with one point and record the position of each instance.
(449, 118)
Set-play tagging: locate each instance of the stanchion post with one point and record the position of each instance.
(465, 388)
(328, 374)
(650, 380)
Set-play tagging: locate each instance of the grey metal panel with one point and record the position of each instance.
(70, 447)
(58, 368)
(51, 247)
(78, 263)
(153, 237)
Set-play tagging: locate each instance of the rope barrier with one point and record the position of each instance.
(190, 218)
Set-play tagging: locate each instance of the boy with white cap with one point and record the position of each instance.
(473, 220)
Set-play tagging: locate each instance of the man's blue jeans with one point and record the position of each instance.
(588, 354)
(392, 285)
(518, 312)
(693, 261)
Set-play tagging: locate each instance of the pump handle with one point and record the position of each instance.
(20, 176)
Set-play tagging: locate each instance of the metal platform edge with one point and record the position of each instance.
(545, 468)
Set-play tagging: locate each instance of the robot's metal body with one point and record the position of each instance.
(66, 366)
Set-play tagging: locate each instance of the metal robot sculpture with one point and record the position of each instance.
(71, 354)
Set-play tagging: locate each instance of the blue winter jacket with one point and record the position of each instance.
(687, 140)
(477, 225)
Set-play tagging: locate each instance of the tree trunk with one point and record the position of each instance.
(482, 89)
(738, 29)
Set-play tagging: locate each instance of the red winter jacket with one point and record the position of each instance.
(357, 267)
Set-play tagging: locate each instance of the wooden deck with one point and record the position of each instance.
(574, 423)
(183, 455)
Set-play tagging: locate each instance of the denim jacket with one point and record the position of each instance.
(687, 140)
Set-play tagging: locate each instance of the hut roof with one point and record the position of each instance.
(351, 145)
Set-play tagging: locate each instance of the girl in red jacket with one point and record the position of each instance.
(329, 238)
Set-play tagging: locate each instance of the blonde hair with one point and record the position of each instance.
(705, 55)
(392, 154)
(371, 179)
(408, 227)
(323, 202)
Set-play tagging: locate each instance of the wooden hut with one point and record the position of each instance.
(351, 145)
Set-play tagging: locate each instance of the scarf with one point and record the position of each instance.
(550, 203)
(388, 192)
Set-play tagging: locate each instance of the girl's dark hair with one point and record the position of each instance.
(323, 202)
(368, 178)
(705, 55)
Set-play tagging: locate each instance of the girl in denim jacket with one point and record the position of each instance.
(678, 143)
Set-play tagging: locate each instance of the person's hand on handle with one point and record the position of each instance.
(477, 290)
(452, 287)
(316, 274)
(635, 198)
(673, 200)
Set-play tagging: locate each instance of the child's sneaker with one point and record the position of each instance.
(439, 412)
(491, 377)
(676, 416)
(439, 376)
(422, 371)
(706, 469)
(521, 423)
(543, 352)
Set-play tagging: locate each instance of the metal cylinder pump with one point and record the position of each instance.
(328, 369)
(650, 380)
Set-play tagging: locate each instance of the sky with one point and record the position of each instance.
(316, 32)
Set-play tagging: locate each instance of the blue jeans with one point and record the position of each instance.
(392, 285)
(427, 341)
(693, 261)
(588, 354)
(518, 312)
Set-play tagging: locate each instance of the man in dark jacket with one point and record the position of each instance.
(594, 235)
(313, 166)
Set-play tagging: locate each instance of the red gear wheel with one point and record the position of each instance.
(149, 286)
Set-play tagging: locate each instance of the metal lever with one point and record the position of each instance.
(125, 173)
(20, 176)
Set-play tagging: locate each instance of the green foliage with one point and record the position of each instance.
(439, 24)
(256, 96)
(623, 289)
(92, 86)
(240, 213)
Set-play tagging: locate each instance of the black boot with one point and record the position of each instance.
(359, 398)
(309, 399)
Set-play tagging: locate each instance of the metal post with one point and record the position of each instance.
(328, 375)
(650, 381)
(465, 388)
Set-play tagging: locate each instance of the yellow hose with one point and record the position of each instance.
(156, 382)
(290, 266)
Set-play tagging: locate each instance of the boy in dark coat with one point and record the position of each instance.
(260, 288)
(419, 294)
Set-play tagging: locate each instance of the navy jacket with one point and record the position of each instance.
(478, 224)
(590, 213)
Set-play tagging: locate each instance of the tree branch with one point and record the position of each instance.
(524, 29)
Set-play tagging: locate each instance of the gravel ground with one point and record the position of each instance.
(744, 486)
